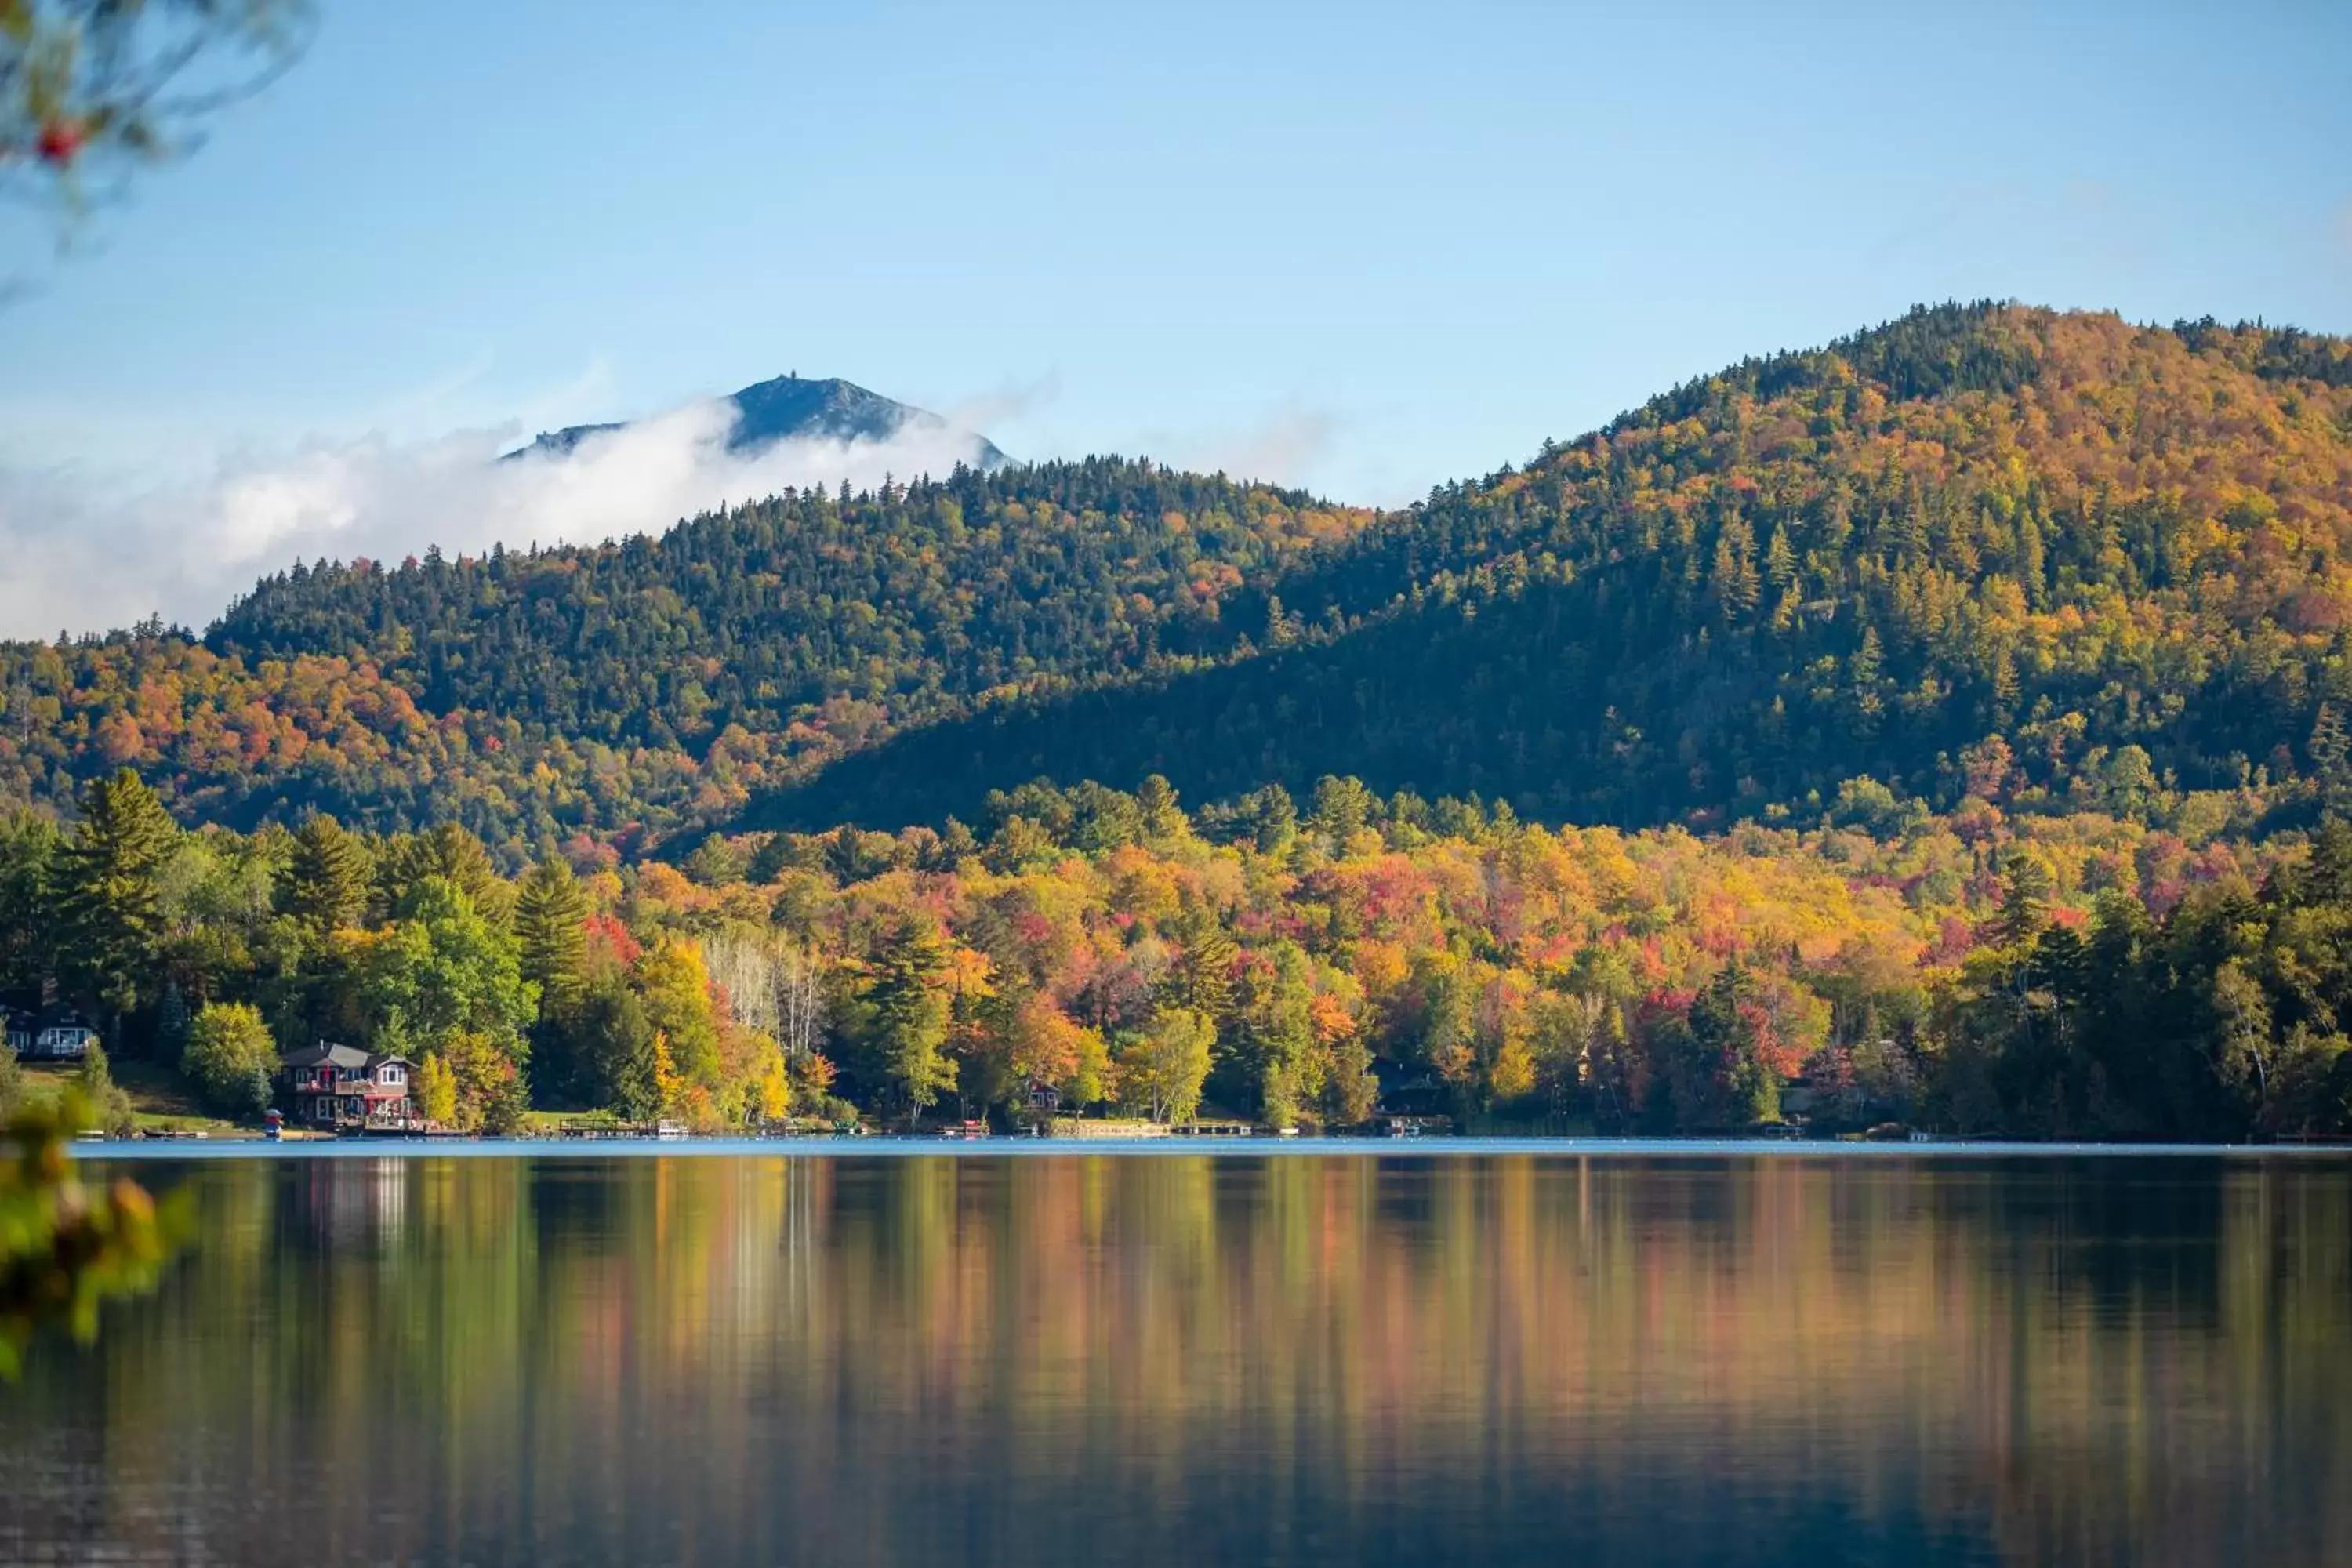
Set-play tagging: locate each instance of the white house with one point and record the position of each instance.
(57, 1035)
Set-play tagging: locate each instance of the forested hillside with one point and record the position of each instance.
(639, 685)
(2056, 560)
(2101, 564)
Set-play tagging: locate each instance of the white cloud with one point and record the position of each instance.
(1290, 444)
(84, 557)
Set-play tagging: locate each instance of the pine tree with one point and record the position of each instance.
(768, 861)
(1277, 819)
(108, 1103)
(2025, 902)
(1201, 979)
(1733, 579)
(1162, 817)
(2329, 750)
(1779, 562)
(328, 878)
(910, 1014)
(110, 897)
(551, 933)
(449, 852)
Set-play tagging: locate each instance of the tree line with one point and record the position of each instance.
(1294, 961)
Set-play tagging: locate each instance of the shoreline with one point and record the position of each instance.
(1159, 1148)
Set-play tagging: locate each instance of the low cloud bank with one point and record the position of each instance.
(80, 559)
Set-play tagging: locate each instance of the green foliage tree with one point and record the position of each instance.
(30, 855)
(109, 1107)
(231, 1058)
(1162, 1067)
(609, 1051)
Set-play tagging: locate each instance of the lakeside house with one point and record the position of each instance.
(345, 1086)
(55, 1034)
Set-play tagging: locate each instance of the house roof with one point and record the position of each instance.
(325, 1054)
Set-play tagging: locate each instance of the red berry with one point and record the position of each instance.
(61, 140)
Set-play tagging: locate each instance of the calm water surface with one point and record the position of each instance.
(1232, 1358)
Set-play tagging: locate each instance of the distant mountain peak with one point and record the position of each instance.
(793, 407)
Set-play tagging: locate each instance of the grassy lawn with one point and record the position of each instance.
(550, 1123)
(159, 1101)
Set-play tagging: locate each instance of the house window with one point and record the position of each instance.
(391, 1075)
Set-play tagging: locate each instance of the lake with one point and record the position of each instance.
(1593, 1355)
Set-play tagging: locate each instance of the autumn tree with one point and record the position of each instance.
(676, 990)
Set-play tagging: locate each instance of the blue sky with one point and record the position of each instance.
(1366, 248)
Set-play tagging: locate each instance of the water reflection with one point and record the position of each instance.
(1226, 1359)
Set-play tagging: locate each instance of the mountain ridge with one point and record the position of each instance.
(1843, 573)
(790, 408)
(2114, 555)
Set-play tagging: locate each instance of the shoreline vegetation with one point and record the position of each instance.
(916, 1147)
(1103, 954)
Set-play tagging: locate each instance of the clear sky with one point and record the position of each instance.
(1368, 247)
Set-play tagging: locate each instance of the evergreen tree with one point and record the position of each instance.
(2025, 901)
(327, 877)
(30, 852)
(1202, 978)
(910, 1014)
(446, 853)
(551, 933)
(109, 900)
(1163, 818)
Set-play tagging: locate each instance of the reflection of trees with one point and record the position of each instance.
(828, 1361)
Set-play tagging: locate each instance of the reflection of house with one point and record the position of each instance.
(57, 1034)
(342, 1086)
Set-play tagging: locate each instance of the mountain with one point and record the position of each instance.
(2053, 561)
(788, 408)
(2057, 559)
(2000, 656)
(651, 684)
